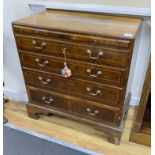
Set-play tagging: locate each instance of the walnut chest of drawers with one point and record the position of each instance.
(98, 50)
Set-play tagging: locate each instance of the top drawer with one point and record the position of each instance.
(71, 36)
(87, 53)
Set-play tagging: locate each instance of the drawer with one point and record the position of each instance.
(83, 38)
(78, 88)
(106, 75)
(74, 106)
(91, 54)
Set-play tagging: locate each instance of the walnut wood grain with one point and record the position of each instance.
(80, 70)
(110, 56)
(73, 37)
(108, 95)
(73, 106)
(84, 23)
(92, 41)
(113, 133)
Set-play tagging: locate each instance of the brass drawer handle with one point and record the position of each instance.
(93, 94)
(49, 101)
(43, 64)
(44, 82)
(92, 57)
(39, 45)
(93, 75)
(92, 113)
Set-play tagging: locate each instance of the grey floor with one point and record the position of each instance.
(16, 142)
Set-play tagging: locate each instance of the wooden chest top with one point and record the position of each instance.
(84, 23)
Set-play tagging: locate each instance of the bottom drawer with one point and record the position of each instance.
(75, 106)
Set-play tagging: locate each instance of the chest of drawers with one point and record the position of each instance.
(98, 50)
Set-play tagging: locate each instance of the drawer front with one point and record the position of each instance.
(92, 54)
(81, 108)
(78, 88)
(71, 36)
(79, 70)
